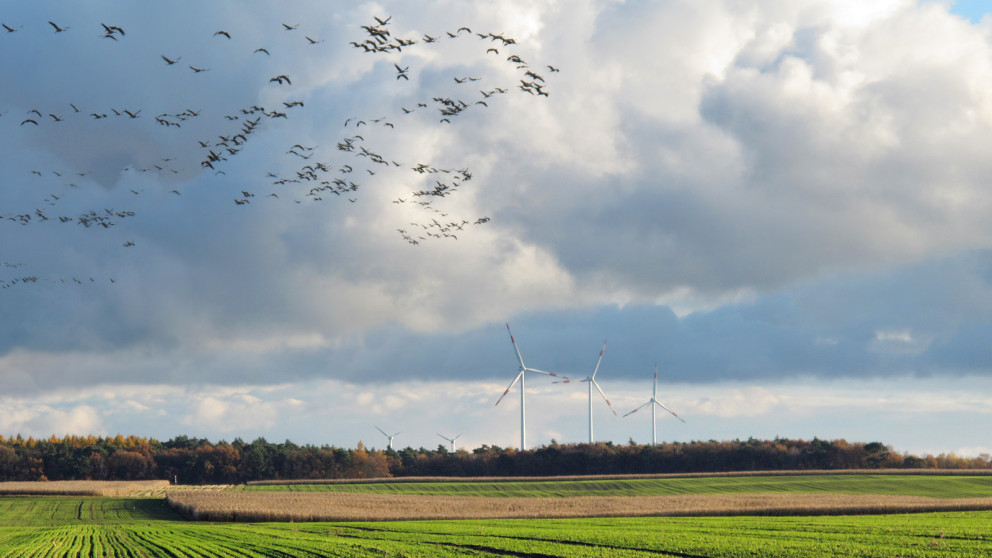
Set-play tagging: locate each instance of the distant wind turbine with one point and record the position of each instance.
(591, 381)
(520, 378)
(388, 437)
(452, 440)
(654, 405)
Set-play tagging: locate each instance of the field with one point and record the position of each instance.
(951, 486)
(85, 488)
(73, 526)
(100, 526)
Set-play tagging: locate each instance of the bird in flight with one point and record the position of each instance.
(290, 27)
(261, 50)
(9, 28)
(111, 29)
(57, 28)
(224, 33)
(280, 78)
(170, 61)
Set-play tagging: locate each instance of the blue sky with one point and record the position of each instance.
(783, 204)
(974, 10)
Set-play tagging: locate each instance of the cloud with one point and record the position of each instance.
(777, 191)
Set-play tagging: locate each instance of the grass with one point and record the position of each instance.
(48, 526)
(951, 486)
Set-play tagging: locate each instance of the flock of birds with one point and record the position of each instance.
(341, 171)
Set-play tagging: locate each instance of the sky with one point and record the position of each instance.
(304, 222)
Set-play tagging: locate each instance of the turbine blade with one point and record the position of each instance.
(662, 405)
(547, 373)
(513, 383)
(601, 351)
(654, 392)
(515, 348)
(383, 432)
(639, 408)
(608, 404)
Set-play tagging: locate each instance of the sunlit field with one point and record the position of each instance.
(73, 526)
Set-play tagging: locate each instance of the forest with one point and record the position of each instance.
(187, 460)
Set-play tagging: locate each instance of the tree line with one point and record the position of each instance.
(200, 461)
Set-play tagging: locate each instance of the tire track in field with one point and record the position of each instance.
(507, 552)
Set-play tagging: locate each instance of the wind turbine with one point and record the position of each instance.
(388, 437)
(520, 378)
(591, 381)
(654, 406)
(452, 440)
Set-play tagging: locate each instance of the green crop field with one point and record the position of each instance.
(935, 486)
(74, 526)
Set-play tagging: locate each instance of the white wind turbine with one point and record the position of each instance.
(520, 378)
(591, 381)
(452, 440)
(654, 407)
(388, 437)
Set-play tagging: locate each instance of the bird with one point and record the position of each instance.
(170, 61)
(56, 118)
(552, 68)
(261, 50)
(26, 120)
(280, 78)
(383, 22)
(111, 29)
(290, 27)
(224, 33)
(9, 28)
(312, 41)
(197, 70)
(57, 28)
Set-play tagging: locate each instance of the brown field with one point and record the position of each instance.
(967, 472)
(83, 488)
(280, 506)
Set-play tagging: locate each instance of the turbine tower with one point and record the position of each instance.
(452, 440)
(591, 381)
(654, 406)
(388, 437)
(520, 378)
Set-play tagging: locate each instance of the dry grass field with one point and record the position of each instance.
(248, 506)
(808, 472)
(85, 488)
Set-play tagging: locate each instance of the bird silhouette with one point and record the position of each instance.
(170, 61)
(224, 33)
(280, 79)
(57, 28)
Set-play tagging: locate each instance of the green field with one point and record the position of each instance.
(899, 485)
(73, 526)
